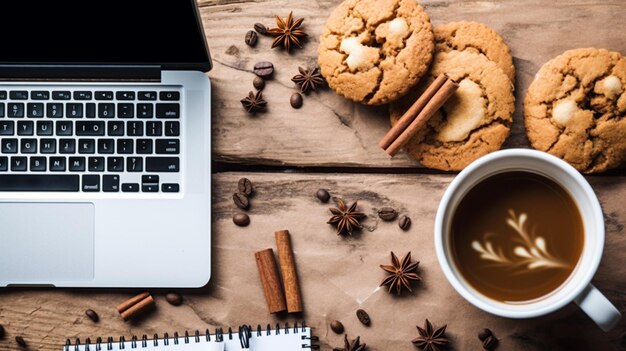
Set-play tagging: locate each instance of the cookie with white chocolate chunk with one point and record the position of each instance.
(473, 122)
(374, 51)
(575, 109)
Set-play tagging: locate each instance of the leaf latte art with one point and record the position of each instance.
(531, 251)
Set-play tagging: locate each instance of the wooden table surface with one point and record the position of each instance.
(331, 143)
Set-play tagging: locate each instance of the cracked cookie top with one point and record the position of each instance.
(478, 38)
(575, 109)
(374, 51)
(475, 121)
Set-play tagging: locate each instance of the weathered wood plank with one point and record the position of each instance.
(338, 275)
(330, 131)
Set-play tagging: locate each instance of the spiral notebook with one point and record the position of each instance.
(268, 339)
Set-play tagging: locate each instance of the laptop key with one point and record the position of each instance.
(115, 128)
(106, 110)
(96, 164)
(134, 128)
(169, 95)
(125, 146)
(74, 110)
(48, 146)
(134, 164)
(91, 183)
(90, 128)
(150, 178)
(25, 128)
(39, 182)
(144, 146)
(18, 95)
(82, 95)
(64, 128)
(110, 183)
(167, 110)
(147, 95)
(86, 146)
(170, 188)
(162, 164)
(145, 110)
(18, 164)
(104, 95)
(172, 128)
(61, 95)
(90, 110)
(34, 110)
(4, 161)
(126, 110)
(1, 109)
(76, 164)
(7, 127)
(28, 146)
(9, 146)
(3, 94)
(54, 110)
(67, 146)
(39, 95)
(115, 164)
(57, 164)
(125, 95)
(168, 146)
(37, 164)
(154, 128)
(44, 128)
(106, 146)
(15, 110)
(130, 187)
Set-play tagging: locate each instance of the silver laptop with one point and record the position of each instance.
(104, 144)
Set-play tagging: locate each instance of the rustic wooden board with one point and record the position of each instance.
(330, 131)
(337, 275)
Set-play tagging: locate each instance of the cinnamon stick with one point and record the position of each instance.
(135, 305)
(270, 280)
(412, 112)
(288, 269)
(438, 99)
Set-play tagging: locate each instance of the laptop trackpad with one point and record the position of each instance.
(46, 242)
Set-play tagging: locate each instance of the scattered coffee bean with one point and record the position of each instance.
(241, 219)
(404, 222)
(387, 214)
(20, 341)
(2, 332)
(484, 334)
(490, 343)
(245, 186)
(260, 28)
(264, 69)
(92, 315)
(296, 100)
(174, 298)
(251, 38)
(259, 83)
(363, 317)
(336, 326)
(323, 195)
(241, 200)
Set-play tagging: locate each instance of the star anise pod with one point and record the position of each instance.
(431, 339)
(254, 103)
(355, 345)
(346, 219)
(402, 272)
(288, 32)
(308, 79)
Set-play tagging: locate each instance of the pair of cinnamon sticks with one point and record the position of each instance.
(286, 296)
(135, 306)
(418, 114)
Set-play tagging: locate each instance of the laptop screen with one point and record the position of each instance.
(165, 32)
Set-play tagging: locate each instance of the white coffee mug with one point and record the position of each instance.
(577, 287)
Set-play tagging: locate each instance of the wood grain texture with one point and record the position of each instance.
(331, 131)
(337, 275)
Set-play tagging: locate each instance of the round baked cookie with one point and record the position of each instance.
(478, 38)
(374, 51)
(473, 122)
(575, 109)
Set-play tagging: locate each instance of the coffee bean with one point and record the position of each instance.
(404, 222)
(245, 186)
(92, 315)
(484, 334)
(260, 28)
(323, 195)
(241, 200)
(387, 214)
(336, 326)
(174, 298)
(2, 332)
(490, 343)
(296, 100)
(241, 219)
(264, 69)
(258, 83)
(20, 341)
(363, 317)
(251, 38)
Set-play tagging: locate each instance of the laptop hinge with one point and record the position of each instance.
(150, 73)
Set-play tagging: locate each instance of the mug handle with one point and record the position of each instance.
(598, 308)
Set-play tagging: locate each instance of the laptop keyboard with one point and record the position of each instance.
(76, 139)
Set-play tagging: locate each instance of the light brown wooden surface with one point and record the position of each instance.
(329, 131)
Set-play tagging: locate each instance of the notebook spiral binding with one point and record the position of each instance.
(245, 333)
